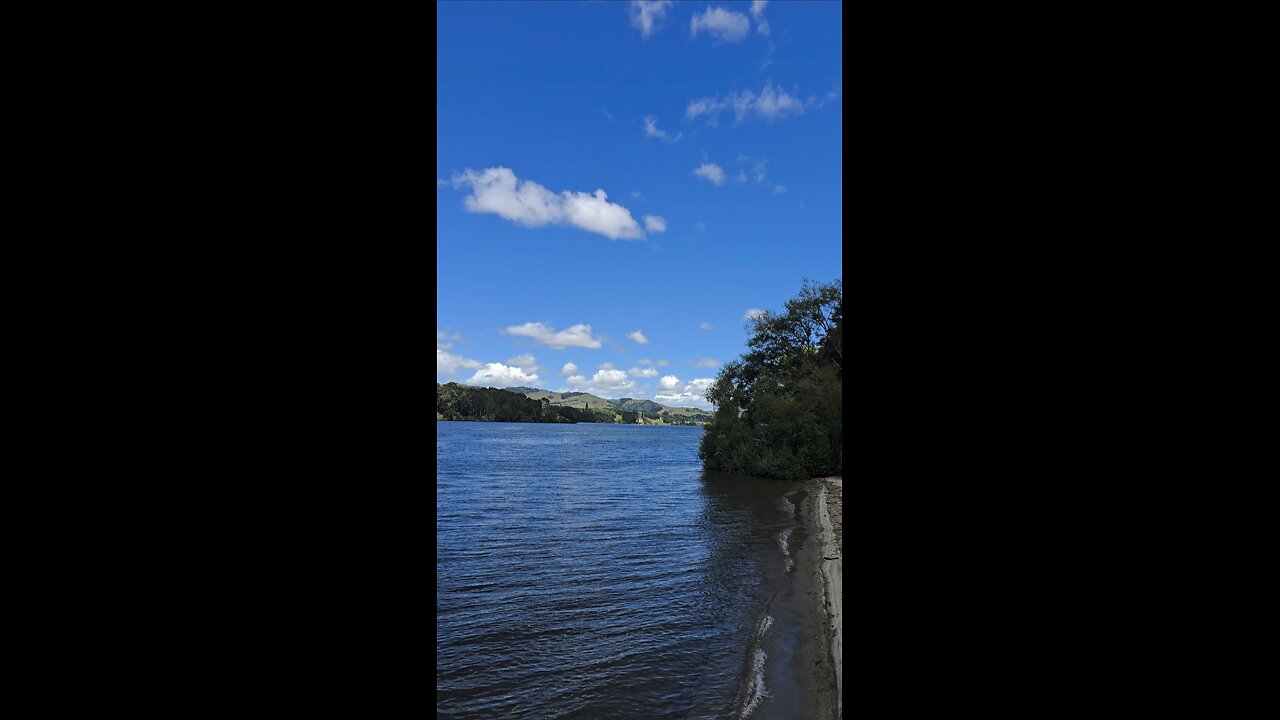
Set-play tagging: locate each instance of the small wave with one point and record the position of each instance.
(784, 504)
(786, 550)
(755, 686)
(765, 623)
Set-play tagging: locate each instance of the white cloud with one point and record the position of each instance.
(645, 361)
(568, 369)
(576, 335)
(605, 366)
(646, 14)
(501, 376)
(710, 171)
(757, 12)
(655, 224)
(771, 103)
(638, 337)
(635, 194)
(706, 362)
(692, 394)
(779, 189)
(662, 363)
(444, 346)
(703, 106)
(705, 325)
(646, 372)
(447, 363)
(607, 383)
(752, 313)
(651, 130)
(759, 170)
(526, 362)
(524, 202)
(720, 23)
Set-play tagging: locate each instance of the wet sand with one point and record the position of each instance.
(830, 536)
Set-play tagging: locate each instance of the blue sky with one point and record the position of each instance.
(611, 167)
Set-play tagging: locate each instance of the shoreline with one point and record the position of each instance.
(830, 542)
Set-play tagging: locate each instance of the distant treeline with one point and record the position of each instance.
(779, 409)
(464, 402)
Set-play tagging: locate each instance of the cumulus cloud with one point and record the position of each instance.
(651, 130)
(757, 12)
(605, 383)
(575, 335)
(447, 363)
(721, 24)
(655, 224)
(638, 337)
(710, 171)
(705, 325)
(524, 202)
(706, 362)
(645, 372)
(501, 376)
(646, 14)
(568, 369)
(526, 362)
(771, 103)
(752, 314)
(691, 394)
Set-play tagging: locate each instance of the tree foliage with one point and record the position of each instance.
(778, 409)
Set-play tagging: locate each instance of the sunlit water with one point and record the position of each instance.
(594, 571)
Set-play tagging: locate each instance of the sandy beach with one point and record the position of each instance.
(830, 538)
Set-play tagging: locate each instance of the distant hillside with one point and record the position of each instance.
(648, 407)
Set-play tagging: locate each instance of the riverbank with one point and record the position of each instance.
(830, 494)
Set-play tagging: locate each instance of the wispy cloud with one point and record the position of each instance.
(757, 12)
(646, 372)
(647, 14)
(706, 362)
(771, 103)
(722, 24)
(524, 202)
(655, 224)
(705, 325)
(752, 314)
(779, 189)
(575, 335)
(651, 130)
(638, 337)
(711, 172)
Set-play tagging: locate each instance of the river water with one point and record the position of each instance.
(596, 571)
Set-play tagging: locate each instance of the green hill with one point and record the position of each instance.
(652, 411)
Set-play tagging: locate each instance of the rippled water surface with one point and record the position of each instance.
(594, 571)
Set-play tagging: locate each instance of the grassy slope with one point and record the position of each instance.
(576, 400)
